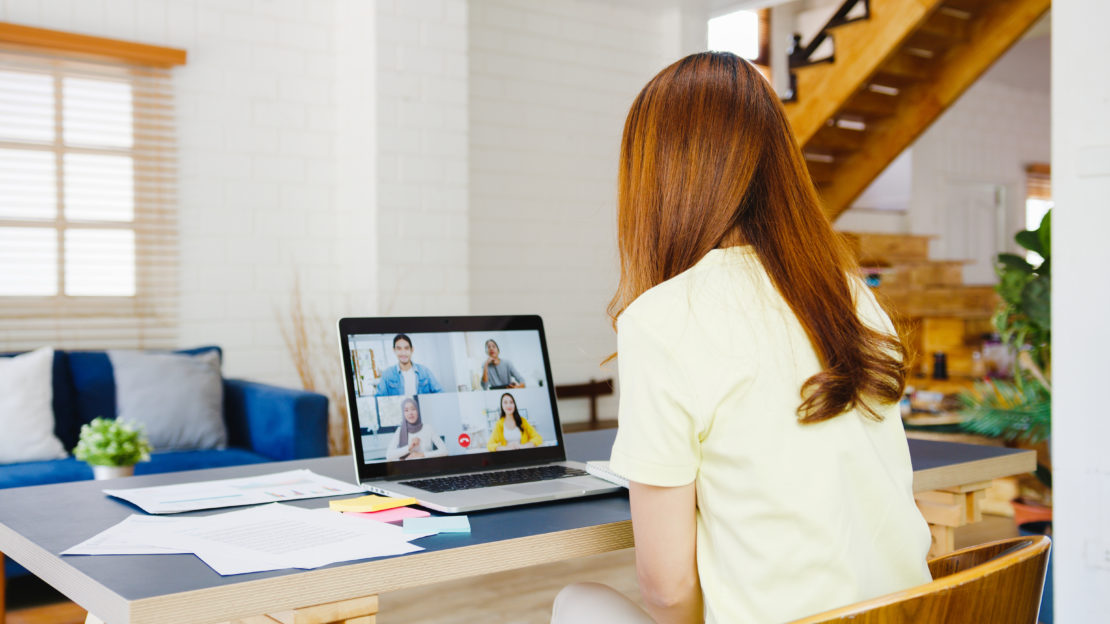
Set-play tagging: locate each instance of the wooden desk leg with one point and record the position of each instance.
(354, 611)
(947, 509)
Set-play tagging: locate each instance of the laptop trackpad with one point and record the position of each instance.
(543, 487)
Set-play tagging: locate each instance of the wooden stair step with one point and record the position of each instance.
(821, 171)
(906, 67)
(972, 7)
(934, 45)
(871, 105)
(835, 139)
(946, 25)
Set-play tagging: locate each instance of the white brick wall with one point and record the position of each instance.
(550, 85)
(422, 177)
(267, 174)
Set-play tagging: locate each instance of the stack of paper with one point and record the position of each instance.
(271, 488)
(268, 537)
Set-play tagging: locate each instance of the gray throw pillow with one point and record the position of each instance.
(178, 399)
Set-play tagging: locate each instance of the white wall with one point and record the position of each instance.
(1080, 300)
(259, 172)
(550, 85)
(422, 156)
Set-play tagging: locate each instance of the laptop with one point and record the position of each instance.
(457, 412)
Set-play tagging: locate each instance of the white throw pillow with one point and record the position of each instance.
(178, 399)
(26, 408)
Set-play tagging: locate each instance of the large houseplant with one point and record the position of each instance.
(1019, 410)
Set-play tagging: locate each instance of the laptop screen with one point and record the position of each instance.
(431, 401)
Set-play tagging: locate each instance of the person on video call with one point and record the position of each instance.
(414, 439)
(499, 372)
(511, 430)
(406, 377)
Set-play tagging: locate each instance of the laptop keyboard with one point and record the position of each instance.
(490, 479)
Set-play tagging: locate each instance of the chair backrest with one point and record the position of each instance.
(994, 583)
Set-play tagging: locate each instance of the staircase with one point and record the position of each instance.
(892, 74)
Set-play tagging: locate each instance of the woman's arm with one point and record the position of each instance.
(393, 452)
(497, 438)
(665, 528)
(516, 380)
(531, 436)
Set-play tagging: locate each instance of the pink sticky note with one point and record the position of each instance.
(397, 514)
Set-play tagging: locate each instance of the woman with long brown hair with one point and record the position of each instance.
(770, 474)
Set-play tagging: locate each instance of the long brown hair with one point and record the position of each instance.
(708, 158)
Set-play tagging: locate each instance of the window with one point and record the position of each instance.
(1038, 200)
(87, 221)
(744, 33)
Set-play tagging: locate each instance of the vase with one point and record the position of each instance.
(112, 472)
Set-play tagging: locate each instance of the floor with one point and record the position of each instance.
(518, 597)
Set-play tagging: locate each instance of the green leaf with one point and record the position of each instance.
(1030, 240)
(1044, 233)
(1036, 301)
(1015, 262)
(1011, 284)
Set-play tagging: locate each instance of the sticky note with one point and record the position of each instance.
(396, 514)
(437, 524)
(369, 503)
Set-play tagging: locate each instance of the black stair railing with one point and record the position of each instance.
(800, 56)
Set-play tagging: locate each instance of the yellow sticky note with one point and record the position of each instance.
(369, 503)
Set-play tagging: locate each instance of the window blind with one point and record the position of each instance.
(88, 225)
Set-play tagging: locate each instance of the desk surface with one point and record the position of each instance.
(38, 522)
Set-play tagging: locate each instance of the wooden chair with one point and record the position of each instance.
(994, 583)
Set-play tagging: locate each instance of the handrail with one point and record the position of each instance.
(799, 56)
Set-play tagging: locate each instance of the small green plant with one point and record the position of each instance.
(1019, 410)
(106, 442)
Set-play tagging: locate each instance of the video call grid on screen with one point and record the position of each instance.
(458, 394)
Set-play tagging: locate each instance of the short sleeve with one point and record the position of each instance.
(658, 436)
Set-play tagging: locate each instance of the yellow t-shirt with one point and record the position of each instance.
(528, 435)
(792, 519)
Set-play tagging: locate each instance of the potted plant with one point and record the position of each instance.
(1019, 410)
(112, 447)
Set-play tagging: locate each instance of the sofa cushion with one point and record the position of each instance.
(66, 427)
(177, 399)
(26, 408)
(95, 385)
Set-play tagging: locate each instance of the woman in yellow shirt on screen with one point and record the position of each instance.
(512, 431)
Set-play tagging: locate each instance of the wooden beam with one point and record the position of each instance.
(28, 37)
(861, 48)
(993, 32)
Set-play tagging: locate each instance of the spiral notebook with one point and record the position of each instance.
(601, 470)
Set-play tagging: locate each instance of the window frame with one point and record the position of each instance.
(65, 53)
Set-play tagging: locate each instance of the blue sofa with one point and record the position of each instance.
(264, 423)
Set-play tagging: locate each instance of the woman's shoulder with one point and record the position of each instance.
(715, 281)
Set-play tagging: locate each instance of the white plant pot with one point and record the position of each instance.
(112, 472)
